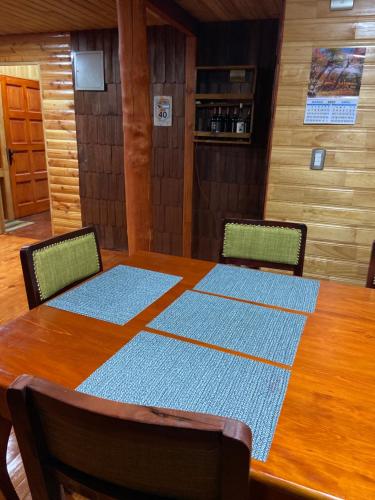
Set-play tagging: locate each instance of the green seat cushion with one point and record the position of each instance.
(61, 264)
(267, 243)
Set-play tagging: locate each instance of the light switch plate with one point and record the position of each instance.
(341, 4)
(318, 157)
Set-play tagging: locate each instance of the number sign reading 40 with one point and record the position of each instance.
(162, 111)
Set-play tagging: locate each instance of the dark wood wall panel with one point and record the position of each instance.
(167, 67)
(229, 179)
(100, 144)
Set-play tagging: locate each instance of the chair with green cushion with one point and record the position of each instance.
(371, 270)
(55, 265)
(260, 243)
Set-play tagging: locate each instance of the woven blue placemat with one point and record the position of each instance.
(259, 331)
(117, 295)
(153, 370)
(274, 289)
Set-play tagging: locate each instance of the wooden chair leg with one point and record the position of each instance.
(5, 483)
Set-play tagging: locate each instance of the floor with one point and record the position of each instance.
(13, 303)
(13, 300)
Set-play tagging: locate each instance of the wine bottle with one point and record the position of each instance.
(213, 122)
(234, 121)
(220, 122)
(240, 125)
(199, 124)
(227, 122)
(248, 122)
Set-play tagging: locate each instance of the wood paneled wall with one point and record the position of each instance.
(338, 203)
(167, 75)
(100, 144)
(230, 179)
(53, 53)
(29, 71)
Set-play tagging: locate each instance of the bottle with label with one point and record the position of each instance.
(213, 122)
(248, 122)
(234, 121)
(240, 125)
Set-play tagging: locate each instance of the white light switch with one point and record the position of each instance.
(341, 4)
(317, 159)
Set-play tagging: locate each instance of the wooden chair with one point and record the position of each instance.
(55, 265)
(371, 270)
(94, 446)
(260, 243)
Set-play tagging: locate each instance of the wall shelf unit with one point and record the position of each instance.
(225, 104)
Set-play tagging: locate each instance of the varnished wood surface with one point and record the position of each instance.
(137, 128)
(229, 180)
(325, 438)
(336, 203)
(100, 144)
(190, 76)
(235, 10)
(13, 301)
(24, 131)
(52, 53)
(38, 16)
(167, 50)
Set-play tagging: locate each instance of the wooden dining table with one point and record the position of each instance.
(325, 437)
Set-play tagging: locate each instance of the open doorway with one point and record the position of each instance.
(23, 167)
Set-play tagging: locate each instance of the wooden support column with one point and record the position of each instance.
(190, 77)
(135, 87)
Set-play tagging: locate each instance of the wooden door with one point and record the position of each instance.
(25, 145)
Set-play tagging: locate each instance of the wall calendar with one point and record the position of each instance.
(334, 86)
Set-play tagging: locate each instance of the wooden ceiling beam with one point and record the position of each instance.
(173, 14)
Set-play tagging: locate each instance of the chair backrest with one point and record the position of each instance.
(55, 265)
(371, 270)
(260, 243)
(125, 451)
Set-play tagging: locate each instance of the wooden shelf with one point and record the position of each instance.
(225, 97)
(222, 138)
(221, 68)
(227, 135)
(224, 104)
(244, 91)
(217, 141)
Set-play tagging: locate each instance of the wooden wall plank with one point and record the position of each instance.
(100, 149)
(52, 53)
(230, 179)
(190, 62)
(338, 203)
(167, 63)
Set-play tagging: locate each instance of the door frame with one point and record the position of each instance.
(6, 184)
(5, 176)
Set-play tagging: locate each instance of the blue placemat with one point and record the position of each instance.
(154, 370)
(274, 289)
(117, 295)
(259, 331)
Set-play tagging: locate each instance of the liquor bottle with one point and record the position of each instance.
(240, 125)
(199, 122)
(248, 122)
(220, 122)
(234, 121)
(213, 122)
(227, 122)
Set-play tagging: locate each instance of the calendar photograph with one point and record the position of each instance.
(336, 72)
(334, 86)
